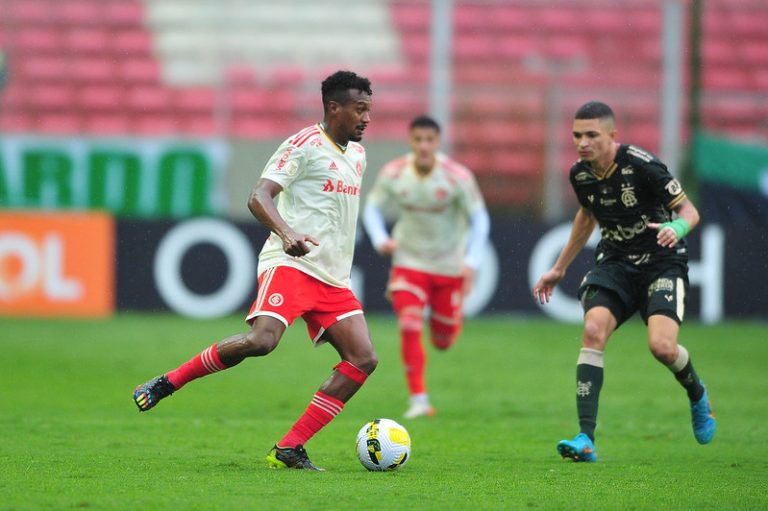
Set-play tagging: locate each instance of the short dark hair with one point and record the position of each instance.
(336, 87)
(594, 110)
(424, 121)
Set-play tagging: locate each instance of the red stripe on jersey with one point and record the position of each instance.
(395, 167)
(303, 134)
(456, 169)
(306, 137)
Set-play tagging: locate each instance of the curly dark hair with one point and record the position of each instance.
(336, 87)
(594, 110)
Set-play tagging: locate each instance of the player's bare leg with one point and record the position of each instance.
(662, 341)
(260, 340)
(599, 323)
(351, 339)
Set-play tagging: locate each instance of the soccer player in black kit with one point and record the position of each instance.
(641, 265)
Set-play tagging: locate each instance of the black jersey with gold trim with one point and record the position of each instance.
(635, 190)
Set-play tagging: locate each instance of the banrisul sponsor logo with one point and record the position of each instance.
(340, 186)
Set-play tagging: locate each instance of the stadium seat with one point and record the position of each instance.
(100, 98)
(123, 13)
(106, 124)
(92, 69)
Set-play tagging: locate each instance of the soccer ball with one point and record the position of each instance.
(383, 444)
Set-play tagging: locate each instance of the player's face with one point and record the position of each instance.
(593, 138)
(424, 142)
(355, 114)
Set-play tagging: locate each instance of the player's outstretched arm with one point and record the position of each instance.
(672, 232)
(583, 225)
(262, 205)
(376, 228)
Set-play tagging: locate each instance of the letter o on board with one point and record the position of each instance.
(236, 249)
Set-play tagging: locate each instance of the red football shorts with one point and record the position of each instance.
(286, 293)
(444, 295)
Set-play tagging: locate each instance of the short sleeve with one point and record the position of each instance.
(663, 185)
(470, 198)
(285, 165)
(381, 192)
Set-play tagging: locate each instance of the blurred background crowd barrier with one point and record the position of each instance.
(123, 120)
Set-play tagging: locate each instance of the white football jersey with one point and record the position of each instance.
(320, 197)
(433, 212)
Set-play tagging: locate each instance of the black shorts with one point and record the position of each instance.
(623, 288)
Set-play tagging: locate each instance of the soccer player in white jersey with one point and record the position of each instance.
(305, 265)
(437, 245)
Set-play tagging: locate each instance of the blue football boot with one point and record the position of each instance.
(581, 448)
(703, 419)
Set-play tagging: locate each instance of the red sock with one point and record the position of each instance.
(320, 412)
(203, 364)
(414, 360)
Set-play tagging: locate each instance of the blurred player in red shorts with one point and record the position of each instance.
(436, 245)
(305, 265)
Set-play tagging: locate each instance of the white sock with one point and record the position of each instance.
(681, 360)
(421, 399)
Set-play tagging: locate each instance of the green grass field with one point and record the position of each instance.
(72, 438)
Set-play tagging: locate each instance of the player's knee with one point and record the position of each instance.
(444, 340)
(595, 335)
(257, 343)
(663, 349)
(366, 362)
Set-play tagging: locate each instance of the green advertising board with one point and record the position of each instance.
(736, 164)
(133, 177)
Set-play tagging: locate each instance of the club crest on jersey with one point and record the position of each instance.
(316, 142)
(628, 195)
(441, 193)
(359, 168)
(275, 299)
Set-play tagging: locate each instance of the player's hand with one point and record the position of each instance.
(546, 284)
(468, 283)
(666, 237)
(387, 248)
(297, 245)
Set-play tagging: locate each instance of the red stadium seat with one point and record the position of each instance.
(41, 69)
(39, 40)
(78, 12)
(138, 70)
(99, 98)
(45, 98)
(149, 100)
(58, 124)
(30, 12)
(93, 69)
(106, 124)
(194, 101)
(132, 42)
(129, 13)
(90, 40)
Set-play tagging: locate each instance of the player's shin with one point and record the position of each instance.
(202, 364)
(686, 375)
(589, 381)
(326, 404)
